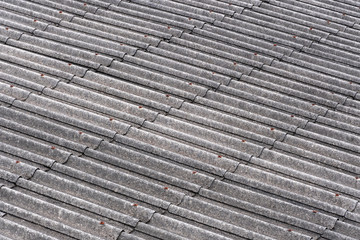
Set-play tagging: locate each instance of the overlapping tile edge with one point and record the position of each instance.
(179, 119)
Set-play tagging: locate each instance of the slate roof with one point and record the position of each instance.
(179, 119)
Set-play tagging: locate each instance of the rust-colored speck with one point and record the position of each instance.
(121, 44)
(243, 140)
(219, 156)
(111, 119)
(294, 36)
(194, 172)
(210, 11)
(80, 133)
(272, 129)
(17, 161)
(289, 230)
(314, 211)
(337, 194)
(292, 116)
(234, 63)
(96, 54)
(60, 11)
(189, 18)
(167, 95)
(102, 223)
(213, 72)
(35, 20)
(169, 27)
(166, 188)
(313, 104)
(356, 178)
(52, 147)
(190, 83)
(42, 75)
(255, 54)
(85, 4)
(344, 14)
(7, 28)
(311, 28)
(69, 64)
(135, 205)
(275, 45)
(11, 85)
(140, 106)
(145, 35)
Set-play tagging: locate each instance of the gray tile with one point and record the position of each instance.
(280, 118)
(77, 114)
(273, 99)
(280, 25)
(349, 230)
(267, 34)
(187, 64)
(222, 49)
(156, 27)
(19, 20)
(172, 71)
(73, 54)
(30, 157)
(228, 124)
(155, 83)
(61, 117)
(101, 34)
(312, 201)
(67, 6)
(318, 174)
(35, 10)
(8, 228)
(294, 89)
(217, 6)
(111, 19)
(156, 15)
(231, 221)
(336, 236)
(221, 65)
(12, 166)
(320, 149)
(140, 95)
(25, 77)
(13, 91)
(55, 217)
(259, 46)
(325, 66)
(203, 137)
(40, 127)
(183, 149)
(40, 63)
(141, 163)
(239, 43)
(329, 140)
(86, 198)
(170, 225)
(297, 72)
(182, 9)
(122, 178)
(100, 103)
(90, 42)
(268, 206)
(27, 144)
(107, 29)
(172, 157)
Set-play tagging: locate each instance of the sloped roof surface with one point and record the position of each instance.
(179, 119)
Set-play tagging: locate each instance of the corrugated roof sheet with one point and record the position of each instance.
(179, 119)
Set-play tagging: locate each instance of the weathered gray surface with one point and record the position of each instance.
(179, 119)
